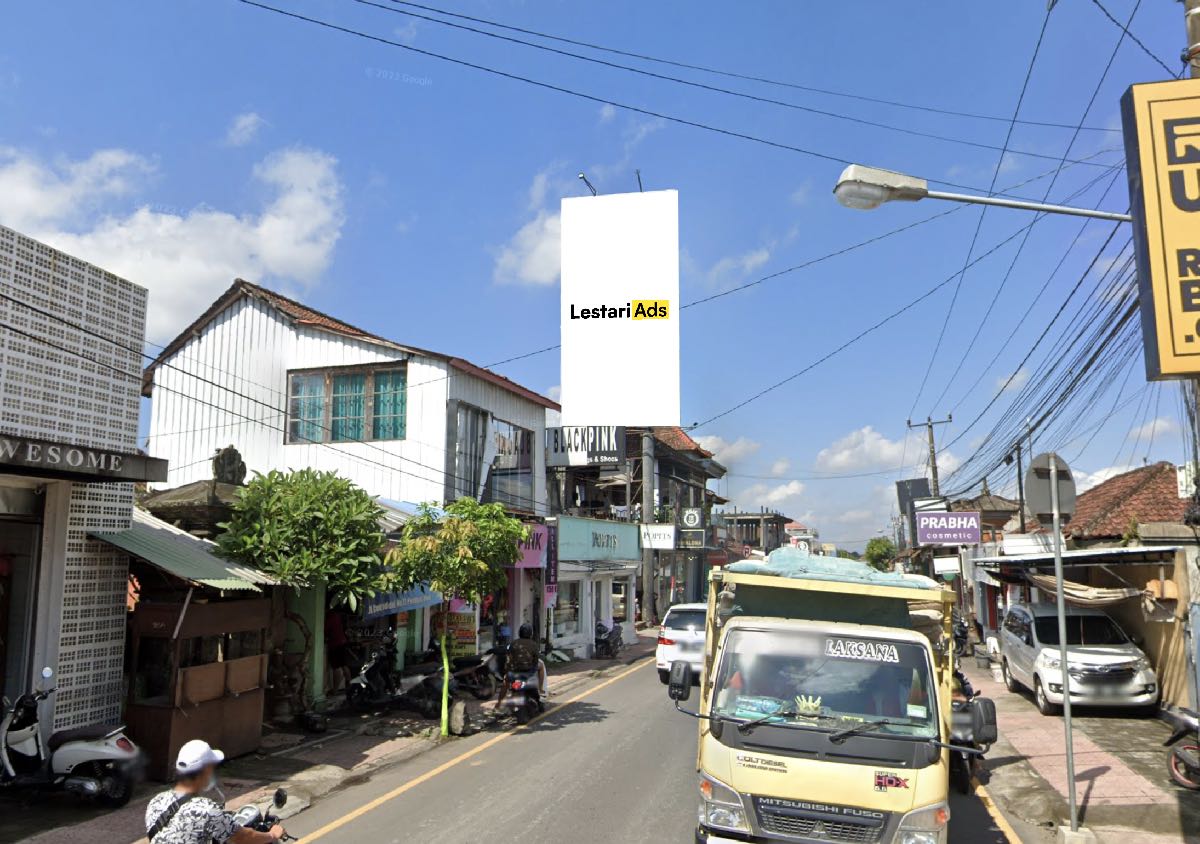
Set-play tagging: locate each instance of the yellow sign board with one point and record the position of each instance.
(1162, 148)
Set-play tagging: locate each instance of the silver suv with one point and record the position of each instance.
(1105, 667)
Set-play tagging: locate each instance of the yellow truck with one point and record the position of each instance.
(825, 705)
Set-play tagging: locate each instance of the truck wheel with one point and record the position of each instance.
(664, 675)
(1010, 682)
(1043, 703)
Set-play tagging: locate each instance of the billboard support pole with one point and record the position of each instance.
(648, 554)
(1062, 642)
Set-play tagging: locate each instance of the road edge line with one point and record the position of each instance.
(992, 809)
(371, 805)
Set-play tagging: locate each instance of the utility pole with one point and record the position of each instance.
(929, 423)
(1191, 53)
(648, 554)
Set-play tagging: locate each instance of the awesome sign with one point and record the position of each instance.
(1162, 148)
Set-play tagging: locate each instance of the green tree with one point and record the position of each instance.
(306, 528)
(880, 552)
(460, 553)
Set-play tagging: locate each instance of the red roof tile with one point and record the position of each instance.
(304, 315)
(1149, 494)
(675, 437)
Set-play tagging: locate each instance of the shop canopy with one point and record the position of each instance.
(182, 555)
(1126, 555)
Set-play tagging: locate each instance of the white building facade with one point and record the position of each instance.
(71, 336)
(292, 388)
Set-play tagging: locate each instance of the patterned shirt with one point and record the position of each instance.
(198, 821)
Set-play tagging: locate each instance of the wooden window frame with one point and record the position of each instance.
(326, 423)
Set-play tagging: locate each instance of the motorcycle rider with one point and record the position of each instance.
(185, 815)
(524, 657)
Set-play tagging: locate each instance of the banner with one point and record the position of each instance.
(620, 309)
(585, 445)
(948, 528)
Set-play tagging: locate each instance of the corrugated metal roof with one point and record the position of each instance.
(179, 553)
(1081, 556)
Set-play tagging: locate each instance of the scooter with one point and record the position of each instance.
(1183, 760)
(962, 636)
(97, 762)
(608, 640)
(964, 764)
(426, 695)
(524, 698)
(249, 817)
(377, 681)
(476, 674)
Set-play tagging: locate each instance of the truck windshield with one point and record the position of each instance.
(828, 680)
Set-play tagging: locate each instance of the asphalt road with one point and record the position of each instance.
(617, 765)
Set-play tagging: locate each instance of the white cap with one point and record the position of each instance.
(195, 756)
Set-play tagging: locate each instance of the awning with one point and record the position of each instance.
(594, 566)
(182, 555)
(1125, 555)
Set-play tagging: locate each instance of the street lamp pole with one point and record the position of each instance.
(865, 188)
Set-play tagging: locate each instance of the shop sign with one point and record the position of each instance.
(460, 631)
(1162, 150)
(658, 537)
(945, 565)
(693, 517)
(550, 588)
(596, 539)
(533, 548)
(691, 538)
(948, 528)
(57, 459)
(585, 445)
(390, 603)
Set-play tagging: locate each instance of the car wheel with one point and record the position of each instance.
(1043, 703)
(1010, 682)
(664, 675)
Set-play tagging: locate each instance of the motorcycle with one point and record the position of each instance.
(608, 640)
(249, 817)
(377, 680)
(1183, 760)
(97, 762)
(962, 635)
(524, 698)
(477, 674)
(425, 695)
(971, 739)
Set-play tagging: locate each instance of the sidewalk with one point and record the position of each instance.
(354, 747)
(1122, 787)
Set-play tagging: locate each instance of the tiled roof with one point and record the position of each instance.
(675, 437)
(1148, 494)
(301, 314)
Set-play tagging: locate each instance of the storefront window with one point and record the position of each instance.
(18, 579)
(620, 601)
(566, 611)
(510, 480)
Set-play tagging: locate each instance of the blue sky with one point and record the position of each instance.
(184, 144)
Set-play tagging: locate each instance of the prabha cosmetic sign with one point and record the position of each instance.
(948, 528)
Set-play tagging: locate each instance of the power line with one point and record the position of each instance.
(1124, 27)
(853, 339)
(692, 83)
(1037, 48)
(743, 76)
(549, 86)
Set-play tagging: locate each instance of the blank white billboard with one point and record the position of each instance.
(620, 309)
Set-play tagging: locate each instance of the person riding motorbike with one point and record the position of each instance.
(524, 657)
(186, 815)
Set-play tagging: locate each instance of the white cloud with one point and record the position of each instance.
(554, 392)
(532, 256)
(1085, 481)
(866, 449)
(729, 453)
(1155, 428)
(801, 194)
(780, 467)
(781, 497)
(1018, 380)
(735, 267)
(607, 112)
(244, 129)
(407, 33)
(185, 258)
(34, 193)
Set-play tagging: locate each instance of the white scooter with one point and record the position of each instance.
(98, 762)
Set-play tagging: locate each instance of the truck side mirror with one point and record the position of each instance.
(679, 687)
(983, 717)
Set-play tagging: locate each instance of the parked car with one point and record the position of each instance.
(681, 637)
(1106, 668)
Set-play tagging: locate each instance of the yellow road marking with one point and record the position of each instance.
(462, 757)
(994, 811)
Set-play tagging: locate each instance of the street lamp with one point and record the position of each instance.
(865, 188)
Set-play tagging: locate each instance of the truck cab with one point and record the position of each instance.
(824, 704)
